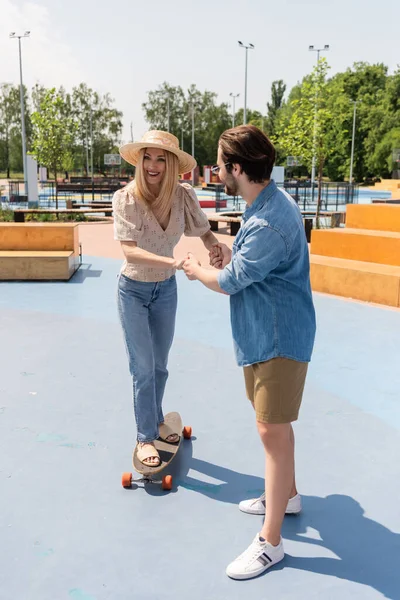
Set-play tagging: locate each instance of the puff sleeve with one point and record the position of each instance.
(128, 224)
(196, 222)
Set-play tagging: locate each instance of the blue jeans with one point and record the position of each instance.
(147, 313)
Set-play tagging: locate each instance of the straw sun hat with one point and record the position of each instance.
(162, 140)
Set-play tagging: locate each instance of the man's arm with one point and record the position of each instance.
(207, 277)
(262, 250)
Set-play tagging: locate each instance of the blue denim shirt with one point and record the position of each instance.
(268, 279)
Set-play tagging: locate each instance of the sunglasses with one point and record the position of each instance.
(216, 169)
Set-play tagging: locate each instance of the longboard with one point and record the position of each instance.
(166, 451)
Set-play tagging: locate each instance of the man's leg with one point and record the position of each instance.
(275, 387)
(293, 491)
(278, 442)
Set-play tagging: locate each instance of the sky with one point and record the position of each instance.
(129, 47)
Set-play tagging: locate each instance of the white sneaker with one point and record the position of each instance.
(256, 506)
(258, 557)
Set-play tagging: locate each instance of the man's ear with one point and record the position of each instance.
(236, 168)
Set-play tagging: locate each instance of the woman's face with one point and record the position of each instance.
(154, 165)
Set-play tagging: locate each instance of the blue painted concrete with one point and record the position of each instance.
(69, 531)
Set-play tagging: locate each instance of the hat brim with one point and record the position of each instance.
(130, 153)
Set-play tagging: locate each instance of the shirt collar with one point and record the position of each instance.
(261, 199)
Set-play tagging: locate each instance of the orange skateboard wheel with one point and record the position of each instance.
(187, 432)
(126, 480)
(167, 482)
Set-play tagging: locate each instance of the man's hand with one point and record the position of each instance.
(220, 255)
(191, 266)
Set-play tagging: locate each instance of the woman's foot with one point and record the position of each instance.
(148, 455)
(167, 434)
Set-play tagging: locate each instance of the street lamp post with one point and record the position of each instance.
(246, 47)
(233, 96)
(168, 113)
(91, 153)
(13, 35)
(193, 141)
(353, 140)
(317, 50)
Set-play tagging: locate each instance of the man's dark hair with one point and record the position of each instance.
(250, 148)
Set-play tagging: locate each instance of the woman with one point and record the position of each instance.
(150, 216)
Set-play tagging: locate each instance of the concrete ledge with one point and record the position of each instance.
(365, 281)
(39, 236)
(382, 247)
(382, 217)
(37, 265)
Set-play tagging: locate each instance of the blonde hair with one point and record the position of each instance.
(161, 204)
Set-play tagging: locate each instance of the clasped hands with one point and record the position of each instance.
(219, 255)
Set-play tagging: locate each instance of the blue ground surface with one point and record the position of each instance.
(69, 531)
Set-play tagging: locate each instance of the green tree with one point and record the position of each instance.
(365, 84)
(167, 99)
(253, 117)
(54, 131)
(304, 135)
(93, 111)
(278, 89)
(10, 127)
(210, 118)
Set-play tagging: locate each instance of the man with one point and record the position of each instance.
(273, 324)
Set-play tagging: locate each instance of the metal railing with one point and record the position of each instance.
(334, 195)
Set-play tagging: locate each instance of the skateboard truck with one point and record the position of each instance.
(128, 480)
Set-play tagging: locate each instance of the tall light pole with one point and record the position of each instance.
(87, 153)
(233, 96)
(317, 50)
(246, 47)
(193, 141)
(91, 152)
(353, 140)
(13, 35)
(168, 115)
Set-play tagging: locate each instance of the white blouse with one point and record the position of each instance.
(134, 222)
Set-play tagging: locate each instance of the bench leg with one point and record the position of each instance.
(213, 225)
(308, 225)
(337, 220)
(234, 227)
(19, 217)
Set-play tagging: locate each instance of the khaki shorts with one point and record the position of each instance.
(275, 388)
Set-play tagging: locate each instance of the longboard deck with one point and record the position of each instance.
(166, 451)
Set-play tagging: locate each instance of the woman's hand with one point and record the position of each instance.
(178, 263)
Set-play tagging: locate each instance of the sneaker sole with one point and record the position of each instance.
(287, 512)
(243, 576)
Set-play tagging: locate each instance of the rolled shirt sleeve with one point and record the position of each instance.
(262, 250)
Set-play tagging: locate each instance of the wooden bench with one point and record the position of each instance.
(19, 213)
(385, 200)
(39, 251)
(71, 204)
(233, 218)
(337, 217)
